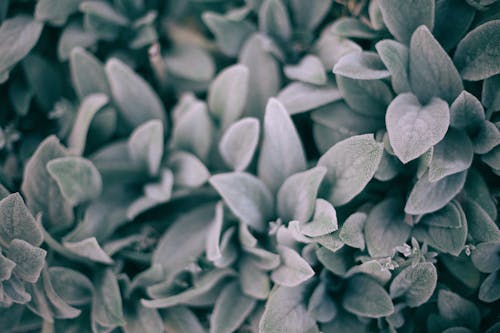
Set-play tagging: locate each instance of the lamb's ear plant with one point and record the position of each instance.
(249, 166)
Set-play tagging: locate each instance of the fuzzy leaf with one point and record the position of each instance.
(274, 20)
(188, 170)
(485, 256)
(72, 286)
(490, 288)
(55, 12)
(324, 220)
(107, 308)
(415, 284)
(87, 74)
(293, 269)
(481, 227)
(180, 319)
(466, 112)
(299, 97)
(458, 309)
(239, 142)
(308, 70)
(362, 66)
(28, 258)
(89, 249)
(365, 297)
(145, 145)
(395, 57)
(351, 232)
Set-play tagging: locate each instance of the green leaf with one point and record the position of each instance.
(308, 15)
(16, 222)
(447, 217)
(293, 270)
(282, 153)
(353, 28)
(142, 319)
(385, 228)
(74, 36)
(463, 269)
(180, 319)
(212, 250)
(29, 259)
(402, 18)
(297, 195)
(432, 73)
(361, 65)
(351, 232)
(134, 97)
(87, 73)
(231, 309)
(426, 197)
(477, 53)
(415, 285)
(145, 145)
(330, 48)
(365, 297)
(55, 12)
(321, 306)
(372, 268)
(190, 62)
(77, 178)
(395, 57)
(6, 268)
(285, 312)
(274, 20)
(72, 286)
(350, 165)
(227, 94)
(254, 281)
(18, 35)
(299, 97)
(466, 112)
(324, 221)
(481, 227)
(458, 310)
(188, 170)
(490, 96)
(408, 140)
(89, 248)
(107, 308)
(486, 138)
(308, 70)
(239, 142)
(453, 19)
(489, 291)
(485, 256)
(477, 190)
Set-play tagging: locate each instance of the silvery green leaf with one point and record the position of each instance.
(490, 96)
(352, 28)
(414, 285)
(227, 94)
(351, 232)
(162, 190)
(20, 95)
(6, 268)
(489, 291)
(90, 249)
(367, 97)
(331, 241)
(466, 112)
(114, 163)
(264, 79)
(274, 20)
(385, 228)
(293, 269)
(336, 262)
(145, 145)
(228, 248)
(389, 168)
(190, 62)
(306, 15)
(477, 53)
(18, 35)
(246, 196)
(263, 259)
(42, 192)
(345, 322)
(103, 11)
(86, 113)
(408, 140)
(458, 309)
(451, 155)
(231, 309)
(447, 217)
(134, 97)
(321, 306)
(330, 48)
(481, 227)
(426, 197)
(452, 21)
(212, 250)
(29, 259)
(142, 319)
(15, 290)
(484, 256)
(254, 281)
(297, 195)
(299, 97)
(229, 34)
(74, 36)
(188, 170)
(285, 311)
(432, 73)
(55, 12)
(38, 71)
(107, 308)
(324, 220)
(72, 286)
(4, 192)
(375, 14)
(239, 142)
(281, 153)
(372, 268)
(402, 18)
(87, 73)
(78, 179)
(487, 137)
(16, 222)
(492, 158)
(308, 70)
(365, 297)
(463, 269)
(350, 165)
(180, 319)
(153, 275)
(361, 65)
(477, 190)
(395, 57)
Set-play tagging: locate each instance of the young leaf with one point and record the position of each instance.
(413, 128)
(466, 112)
(395, 57)
(89, 249)
(282, 153)
(324, 221)
(299, 97)
(350, 165)
(365, 297)
(188, 170)
(274, 20)
(293, 269)
(351, 232)
(87, 74)
(447, 217)
(145, 145)
(28, 258)
(362, 66)
(414, 285)
(308, 70)
(239, 142)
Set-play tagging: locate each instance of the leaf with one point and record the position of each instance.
(281, 153)
(55, 12)
(239, 142)
(481, 227)
(463, 269)
(385, 228)
(145, 145)
(330, 48)
(395, 57)
(361, 65)
(477, 53)
(72, 286)
(324, 221)
(134, 97)
(78, 179)
(293, 269)
(297, 195)
(486, 138)
(453, 19)
(485, 257)
(180, 319)
(74, 36)
(477, 190)
(274, 20)
(107, 309)
(29, 259)
(402, 18)
(308, 70)
(299, 97)
(447, 217)
(490, 96)
(372, 268)
(227, 94)
(254, 281)
(466, 112)
(308, 15)
(351, 232)
(230, 310)
(285, 312)
(365, 297)
(321, 306)
(18, 35)
(16, 222)
(6, 268)
(190, 62)
(212, 250)
(352, 28)
(188, 170)
(458, 310)
(432, 73)
(414, 285)
(413, 128)
(246, 196)
(87, 73)
(89, 249)
(489, 291)
(103, 11)
(142, 319)
(350, 165)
